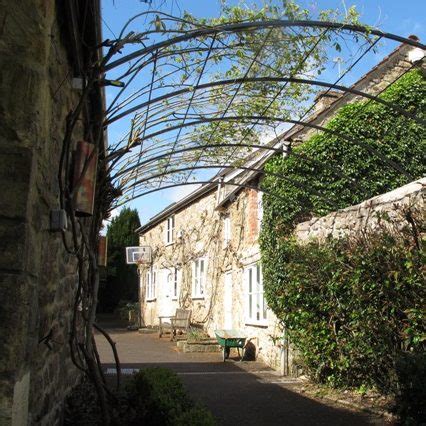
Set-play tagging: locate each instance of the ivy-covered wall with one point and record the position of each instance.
(352, 306)
(330, 173)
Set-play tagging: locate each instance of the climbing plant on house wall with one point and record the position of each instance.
(334, 173)
(353, 307)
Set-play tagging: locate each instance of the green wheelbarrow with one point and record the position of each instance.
(228, 339)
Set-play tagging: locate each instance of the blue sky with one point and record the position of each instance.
(395, 16)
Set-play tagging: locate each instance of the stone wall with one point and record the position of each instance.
(365, 215)
(38, 277)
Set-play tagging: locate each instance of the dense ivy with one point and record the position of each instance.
(350, 305)
(332, 173)
(353, 307)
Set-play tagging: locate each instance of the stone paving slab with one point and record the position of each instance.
(247, 393)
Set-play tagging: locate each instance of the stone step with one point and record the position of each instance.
(187, 347)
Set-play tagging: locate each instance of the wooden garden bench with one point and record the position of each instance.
(180, 321)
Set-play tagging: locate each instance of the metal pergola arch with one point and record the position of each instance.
(236, 27)
(218, 181)
(270, 79)
(390, 162)
(182, 144)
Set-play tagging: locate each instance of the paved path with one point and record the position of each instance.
(246, 393)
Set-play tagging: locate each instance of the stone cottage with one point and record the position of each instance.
(205, 250)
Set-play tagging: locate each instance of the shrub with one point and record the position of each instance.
(354, 309)
(153, 397)
(159, 398)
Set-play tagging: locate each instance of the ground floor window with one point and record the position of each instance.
(172, 282)
(256, 307)
(198, 277)
(151, 278)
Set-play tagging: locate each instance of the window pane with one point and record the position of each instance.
(264, 308)
(258, 300)
(250, 288)
(201, 276)
(250, 303)
(148, 285)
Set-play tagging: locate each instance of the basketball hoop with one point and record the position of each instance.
(138, 255)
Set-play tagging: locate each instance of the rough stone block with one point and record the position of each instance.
(15, 168)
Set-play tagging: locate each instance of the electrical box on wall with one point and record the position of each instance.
(58, 220)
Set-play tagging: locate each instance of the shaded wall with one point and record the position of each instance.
(38, 277)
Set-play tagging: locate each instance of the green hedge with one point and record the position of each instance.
(354, 309)
(351, 306)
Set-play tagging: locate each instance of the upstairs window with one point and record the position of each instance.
(256, 308)
(170, 230)
(198, 278)
(226, 230)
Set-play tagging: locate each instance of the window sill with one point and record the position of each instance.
(197, 297)
(256, 324)
(169, 244)
(151, 300)
(174, 299)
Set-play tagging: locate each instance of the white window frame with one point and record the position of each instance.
(151, 280)
(199, 273)
(255, 307)
(170, 230)
(174, 283)
(227, 232)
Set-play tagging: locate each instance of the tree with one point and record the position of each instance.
(121, 279)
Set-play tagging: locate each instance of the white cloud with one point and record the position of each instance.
(176, 194)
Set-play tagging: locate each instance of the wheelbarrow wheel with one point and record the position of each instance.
(225, 353)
